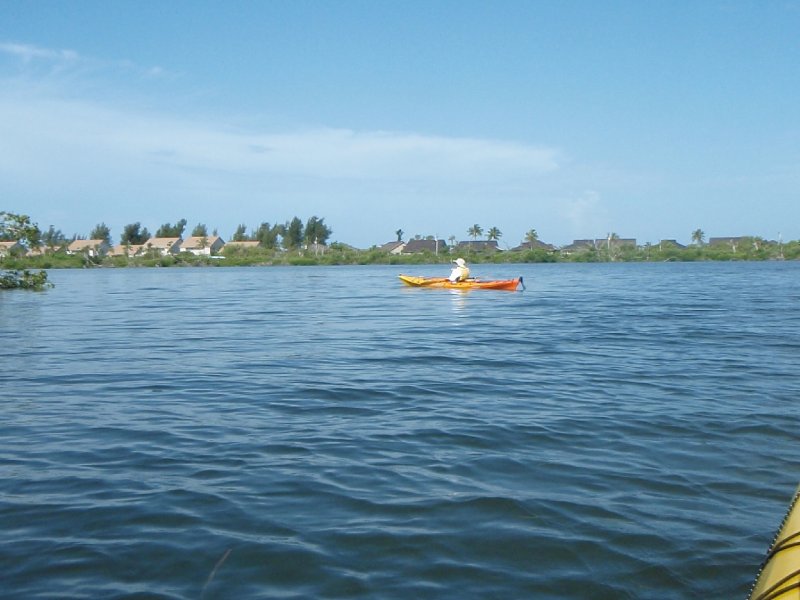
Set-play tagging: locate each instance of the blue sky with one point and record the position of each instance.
(575, 118)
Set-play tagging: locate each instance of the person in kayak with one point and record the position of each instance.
(460, 272)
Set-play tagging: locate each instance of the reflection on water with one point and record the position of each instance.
(459, 301)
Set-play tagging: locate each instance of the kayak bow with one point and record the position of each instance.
(469, 284)
(779, 576)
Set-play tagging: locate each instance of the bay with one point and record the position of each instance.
(613, 431)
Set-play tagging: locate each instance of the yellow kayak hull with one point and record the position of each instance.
(469, 284)
(779, 577)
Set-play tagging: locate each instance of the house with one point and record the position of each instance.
(670, 245)
(578, 246)
(598, 244)
(609, 242)
(477, 246)
(128, 250)
(11, 248)
(534, 245)
(315, 248)
(242, 246)
(393, 247)
(203, 245)
(93, 248)
(163, 246)
(732, 242)
(417, 246)
(38, 251)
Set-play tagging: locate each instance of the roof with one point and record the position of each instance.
(727, 240)
(609, 241)
(156, 242)
(199, 242)
(245, 244)
(413, 246)
(673, 243)
(535, 244)
(578, 245)
(79, 245)
(389, 246)
(125, 250)
(478, 245)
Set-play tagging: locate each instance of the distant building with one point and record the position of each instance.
(11, 248)
(534, 245)
(578, 245)
(393, 247)
(729, 241)
(91, 248)
(164, 246)
(129, 250)
(477, 246)
(417, 246)
(38, 251)
(667, 244)
(614, 242)
(598, 244)
(243, 245)
(203, 245)
(317, 249)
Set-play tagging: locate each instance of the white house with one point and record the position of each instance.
(7, 248)
(89, 247)
(164, 246)
(129, 250)
(203, 245)
(394, 247)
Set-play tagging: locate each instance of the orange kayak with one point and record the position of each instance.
(469, 284)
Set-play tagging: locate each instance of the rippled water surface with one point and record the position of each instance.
(614, 431)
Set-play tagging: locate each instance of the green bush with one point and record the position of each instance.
(24, 279)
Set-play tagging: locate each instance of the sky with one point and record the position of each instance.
(574, 118)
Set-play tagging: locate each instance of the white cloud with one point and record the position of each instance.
(121, 165)
(27, 52)
(339, 153)
(65, 61)
(80, 132)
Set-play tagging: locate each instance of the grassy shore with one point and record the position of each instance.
(338, 254)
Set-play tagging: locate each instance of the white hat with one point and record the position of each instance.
(460, 262)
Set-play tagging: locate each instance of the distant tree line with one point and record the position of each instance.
(291, 234)
(305, 239)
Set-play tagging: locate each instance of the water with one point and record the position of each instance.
(614, 431)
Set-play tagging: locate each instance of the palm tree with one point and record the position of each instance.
(698, 236)
(399, 234)
(475, 231)
(531, 237)
(494, 234)
(452, 240)
(612, 237)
